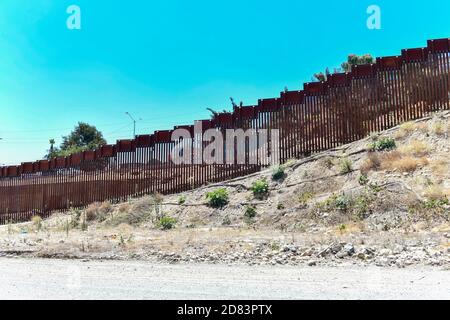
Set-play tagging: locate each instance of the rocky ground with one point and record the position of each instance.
(379, 201)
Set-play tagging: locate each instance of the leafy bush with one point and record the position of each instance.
(167, 223)
(275, 246)
(280, 206)
(363, 180)
(260, 188)
(435, 203)
(383, 144)
(342, 202)
(75, 218)
(346, 165)
(250, 212)
(362, 205)
(181, 199)
(305, 197)
(278, 173)
(217, 198)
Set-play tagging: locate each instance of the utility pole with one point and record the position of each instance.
(2, 164)
(134, 123)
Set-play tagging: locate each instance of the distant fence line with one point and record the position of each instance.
(345, 108)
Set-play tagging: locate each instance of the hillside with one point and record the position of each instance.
(382, 200)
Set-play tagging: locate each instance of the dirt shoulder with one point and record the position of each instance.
(228, 245)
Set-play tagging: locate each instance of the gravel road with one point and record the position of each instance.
(74, 279)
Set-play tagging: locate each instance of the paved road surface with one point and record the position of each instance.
(61, 279)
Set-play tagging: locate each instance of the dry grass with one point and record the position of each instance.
(348, 229)
(92, 211)
(434, 192)
(105, 207)
(394, 160)
(439, 128)
(439, 167)
(407, 164)
(373, 162)
(408, 128)
(405, 129)
(124, 207)
(416, 148)
(37, 223)
(147, 209)
(98, 211)
(422, 127)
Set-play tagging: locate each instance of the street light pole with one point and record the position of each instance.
(2, 164)
(134, 123)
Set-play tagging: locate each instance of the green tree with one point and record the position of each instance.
(52, 146)
(352, 60)
(215, 113)
(83, 137)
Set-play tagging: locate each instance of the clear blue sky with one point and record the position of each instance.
(166, 61)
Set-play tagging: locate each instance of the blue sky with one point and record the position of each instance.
(166, 61)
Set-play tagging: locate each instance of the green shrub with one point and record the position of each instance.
(226, 221)
(342, 202)
(363, 180)
(346, 165)
(383, 144)
(280, 206)
(375, 187)
(217, 198)
(436, 203)
(260, 188)
(305, 197)
(250, 212)
(181, 199)
(167, 223)
(278, 173)
(361, 205)
(275, 246)
(75, 217)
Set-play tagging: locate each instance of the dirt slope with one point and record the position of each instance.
(381, 200)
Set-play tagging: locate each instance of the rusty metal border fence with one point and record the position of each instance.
(345, 108)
